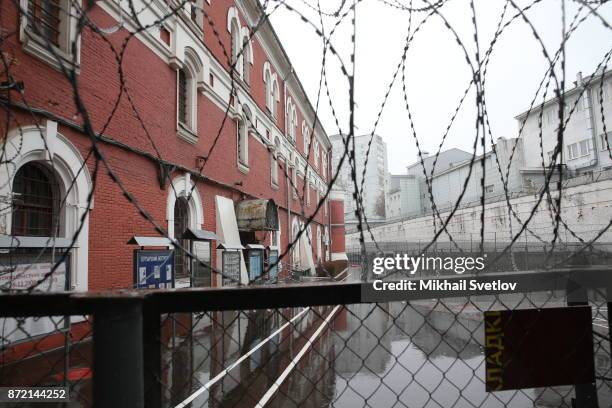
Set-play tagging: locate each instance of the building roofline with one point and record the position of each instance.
(587, 81)
(278, 44)
(441, 153)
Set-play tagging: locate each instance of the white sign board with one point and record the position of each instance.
(21, 277)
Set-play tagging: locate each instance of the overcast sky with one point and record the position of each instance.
(437, 74)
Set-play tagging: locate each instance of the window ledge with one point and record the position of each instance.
(35, 46)
(243, 167)
(274, 185)
(186, 134)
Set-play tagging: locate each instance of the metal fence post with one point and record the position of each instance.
(151, 338)
(586, 394)
(118, 358)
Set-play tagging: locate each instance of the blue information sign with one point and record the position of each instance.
(273, 262)
(255, 261)
(153, 269)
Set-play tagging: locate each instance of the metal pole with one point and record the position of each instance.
(151, 338)
(118, 354)
(586, 394)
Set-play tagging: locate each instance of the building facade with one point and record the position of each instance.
(409, 194)
(202, 115)
(403, 198)
(375, 187)
(587, 110)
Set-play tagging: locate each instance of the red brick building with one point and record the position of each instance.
(183, 138)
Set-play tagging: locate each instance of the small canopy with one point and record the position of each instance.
(230, 247)
(199, 235)
(255, 246)
(150, 241)
(257, 215)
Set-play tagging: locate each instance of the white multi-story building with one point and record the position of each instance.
(375, 184)
(403, 198)
(588, 105)
(409, 194)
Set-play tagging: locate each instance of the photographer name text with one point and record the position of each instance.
(444, 285)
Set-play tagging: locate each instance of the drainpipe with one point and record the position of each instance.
(289, 237)
(590, 117)
(329, 177)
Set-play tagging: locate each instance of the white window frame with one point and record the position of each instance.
(585, 144)
(305, 137)
(291, 119)
(324, 164)
(235, 38)
(316, 153)
(242, 144)
(578, 149)
(196, 6)
(274, 97)
(55, 55)
(296, 163)
(571, 155)
(274, 155)
(247, 57)
(193, 70)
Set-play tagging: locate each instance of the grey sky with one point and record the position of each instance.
(436, 71)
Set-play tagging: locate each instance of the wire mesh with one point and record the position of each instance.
(425, 353)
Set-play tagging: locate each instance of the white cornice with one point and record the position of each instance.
(222, 83)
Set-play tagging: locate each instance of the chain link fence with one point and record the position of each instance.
(308, 346)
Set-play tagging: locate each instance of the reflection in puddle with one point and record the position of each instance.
(384, 355)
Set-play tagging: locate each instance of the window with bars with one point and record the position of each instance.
(243, 146)
(183, 97)
(35, 202)
(246, 66)
(235, 37)
(274, 167)
(44, 19)
(181, 223)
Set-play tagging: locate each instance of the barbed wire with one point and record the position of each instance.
(118, 39)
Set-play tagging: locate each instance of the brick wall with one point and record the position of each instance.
(147, 122)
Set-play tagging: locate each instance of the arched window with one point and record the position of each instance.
(274, 97)
(195, 12)
(242, 137)
(36, 202)
(324, 164)
(306, 137)
(295, 255)
(316, 153)
(268, 82)
(291, 119)
(274, 162)
(236, 46)
(296, 163)
(183, 97)
(188, 78)
(181, 223)
(247, 55)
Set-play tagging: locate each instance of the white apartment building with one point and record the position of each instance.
(375, 184)
(584, 141)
